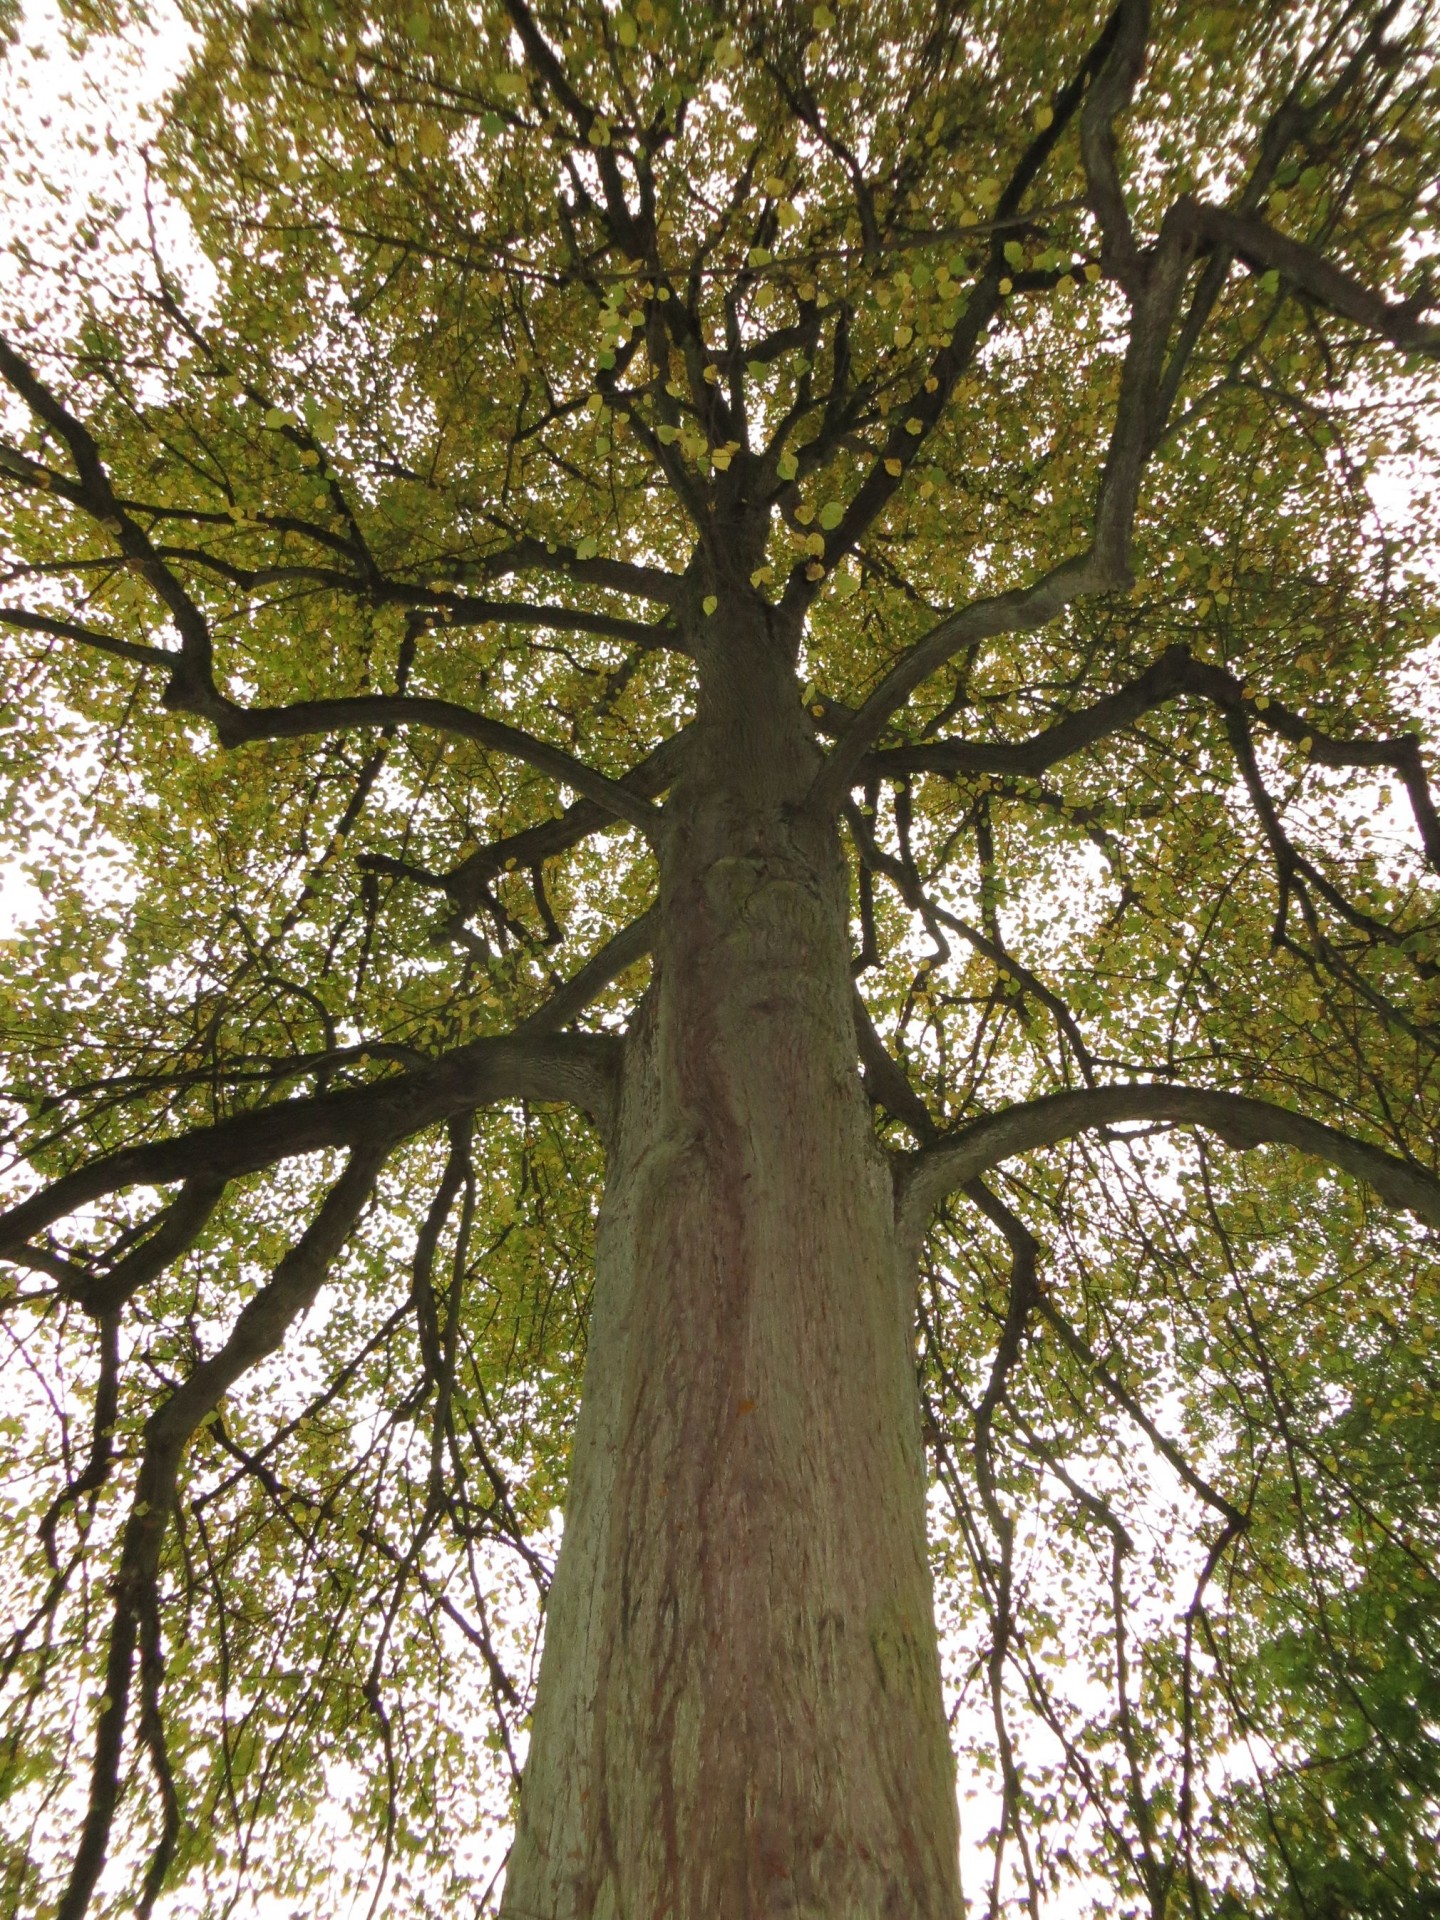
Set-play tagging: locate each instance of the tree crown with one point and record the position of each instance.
(375, 521)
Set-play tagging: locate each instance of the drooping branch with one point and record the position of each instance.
(924, 1177)
(1023, 1290)
(906, 879)
(239, 726)
(258, 1330)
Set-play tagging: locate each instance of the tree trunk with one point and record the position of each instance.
(739, 1708)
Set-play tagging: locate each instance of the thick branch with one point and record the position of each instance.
(574, 1069)
(239, 725)
(1262, 247)
(1176, 672)
(617, 956)
(924, 1178)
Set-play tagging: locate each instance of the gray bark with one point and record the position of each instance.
(739, 1708)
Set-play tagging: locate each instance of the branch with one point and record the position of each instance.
(95, 495)
(617, 956)
(1110, 94)
(1177, 671)
(906, 879)
(886, 1081)
(621, 576)
(51, 623)
(259, 1328)
(925, 1177)
(178, 1228)
(531, 846)
(1019, 611)
(1154, 281)
(929, 398)
(1100, 568)
(1021, 1295)
(1262, 246)
(240, 725)
(192, 687)
(575, 1069)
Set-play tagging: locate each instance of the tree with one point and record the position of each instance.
(778, 613)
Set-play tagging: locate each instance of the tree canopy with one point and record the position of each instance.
(1064, 378)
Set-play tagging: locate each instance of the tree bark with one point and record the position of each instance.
(739, 1708)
